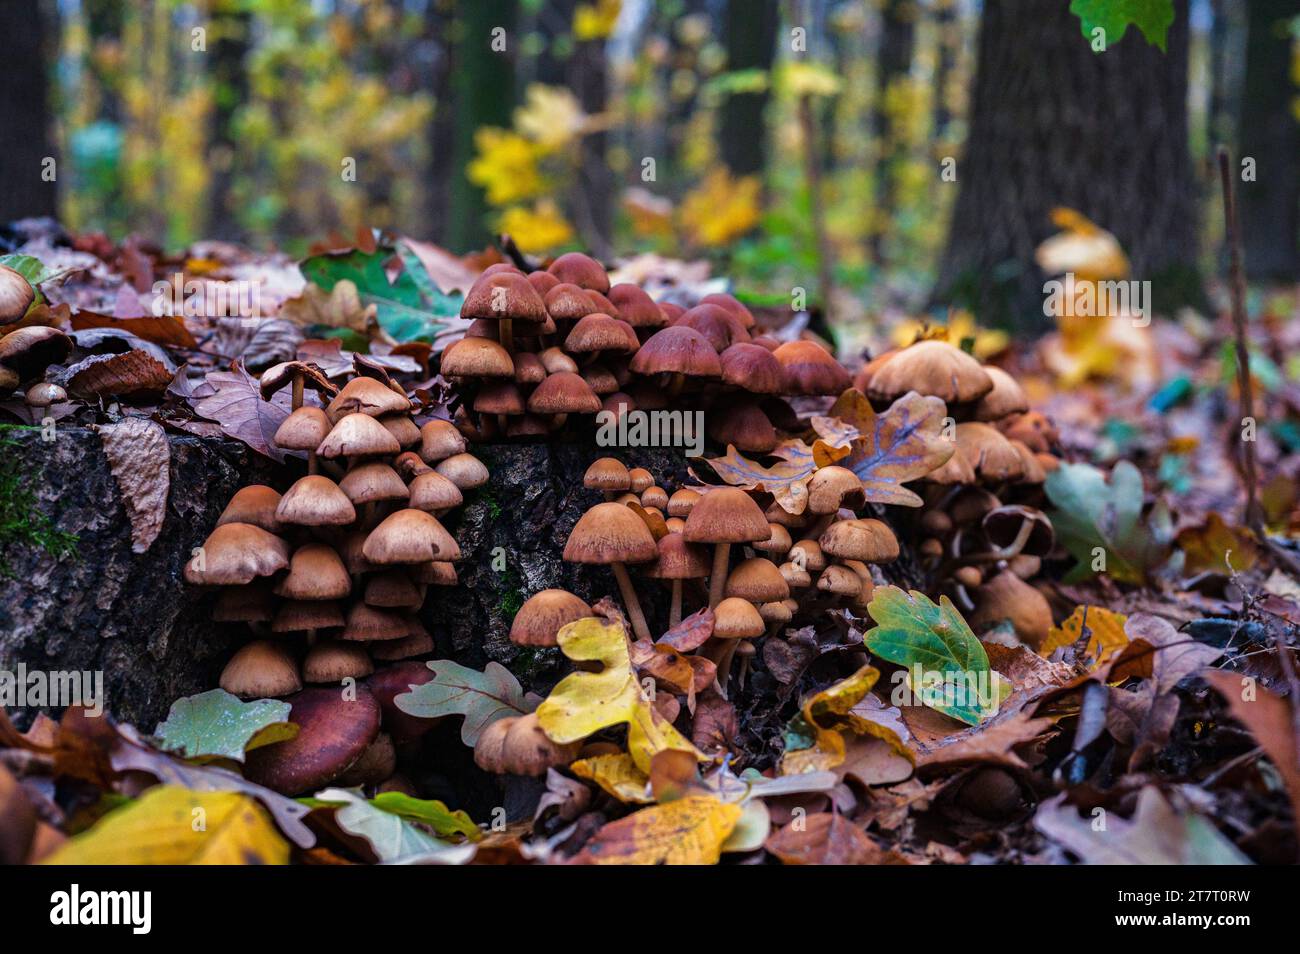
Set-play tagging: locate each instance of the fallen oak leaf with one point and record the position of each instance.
(618, 775)
(688, 831)
(217, 725)
(903, 443)
(140, 460)
(391, 837)
(1106, 634)
(786, 480)
(481, 697)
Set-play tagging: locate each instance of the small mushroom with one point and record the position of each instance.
(261, 669)
(611, 534)
(539, 620)
(724, 516)
(678, 561)
(517, 745)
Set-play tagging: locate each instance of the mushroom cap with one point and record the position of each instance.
(775, 513)
(839, 581)
(795, 577)
(388, 683)
(600, 379)
(679, 350)
(833, 487)
(655, 497)
(316, 501)
(1007, 597)
(372, 481)
(16, 295)
(599, 332)
(253, 504)
(280, 375)
(715, 323)
(528, 368)
(640, 479)
(1033, 470)
(501, 295)
(333, 733)
(402, 428)
(539, 620)
(433, 492)
(636, 307)
(1032, 427)
(745, 425)
(434, 573)
(296, 616)
(356, 435)
(316, 572)
(607, 473)
(261, 669)
(409, 536)
(393, 589)
(568, 302)
(542, 281)
(868, 540)
(775, 613)
(439, 440)
(1002, 526)
(236, 553)
(989, 453)
(477, 358)
(43, 394)
(734, 307)
(29, 351)
(956, 470)
(464, 470)
(971, 504)
(778, 544)
(418, 643)
(682, 502)
(581, 270)
(364, 395)
(332, 661)
(516, 745)
(931, 367)
(303, 430)
(809, 553)
(499, 397)
(753, 368)
(563, 393)
(555, 360)
(811, 369)
(734, 618)
(610, 533)
(726, 515)
(1006, 398)
(757, 580)
(679, 560)
(366, 623)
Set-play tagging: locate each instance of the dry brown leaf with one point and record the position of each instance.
(140, 459)
(118, 375)
(827, 839)
(238, 407)
(1270, 720)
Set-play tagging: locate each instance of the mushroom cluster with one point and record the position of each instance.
(331, 574)
(764, 567)
(560, 345)
(25, 354)
(982, 530)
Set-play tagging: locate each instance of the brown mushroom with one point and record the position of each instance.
(539, 620)
(725, 516)
(611, 534)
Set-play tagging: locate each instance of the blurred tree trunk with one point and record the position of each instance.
(229, 25)
(483, 94)
(1053, 123)
(593, 197)
(948, 40)
(1269, 134)
(24, 115)
(442, 128)
(893, 63)
(750, 27)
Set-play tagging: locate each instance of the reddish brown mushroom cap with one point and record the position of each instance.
(542, 281)
(373, 481)
(333, 733)
(433, 492)
(753, 368)
(744, 425)
(316, 572)
(503, 294)
(636, 307)
(261, 669)
(734, 618)
(868, 540)
(303, 430)
(476, 358)
(811, 369)
(563, 393)
(931, 367)
(679, 560)
(733, 306)
(598, 332)
(236, 553)
(332, 661)
(726, 515)
(409, 536)
(607, 473)
(253, 504)
(581, 270)
(315, 501)
(29, 351)
(716, 324)
(568, 302)
(610, 533)
(678, 350)
(757, 580)
(543, 614)
(1006, 398)
(358, 435)
(363, 395)
(439, 440)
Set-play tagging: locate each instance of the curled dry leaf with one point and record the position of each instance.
(118, 375)
(140, 459)
(827, 838)
(236, 404)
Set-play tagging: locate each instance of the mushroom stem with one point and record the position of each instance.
(996, 554)
(718, 579)
(297, 390)
(823, 522)
(675, 384)
(507, 335)
(724, 665)
(675, 610)
(311, 462)
(633, 605)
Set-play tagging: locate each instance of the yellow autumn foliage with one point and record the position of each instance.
(721, 208)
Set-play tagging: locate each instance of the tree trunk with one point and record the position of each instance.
(230, 81)
(1270, 135)
(751, 44)
(893, 61)
(483, 94)
(24, 117)
(593, 197)
(1053, 123)
(442, 128)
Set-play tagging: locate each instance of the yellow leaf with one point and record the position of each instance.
(1215, 544)
(688, 831)
(595, 21)
(1108, 636)
(720, 208)
(169, 825)
(539, 229)
(828, 712)
(961, 327)
(583, 703)
(505, 165)
(1082, 248)
(618, 775)
(550, 117)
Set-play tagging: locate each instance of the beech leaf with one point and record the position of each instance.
(140, 459)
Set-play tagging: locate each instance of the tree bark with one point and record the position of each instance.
(1270, 135)
(24, 115)
(893, 61)
(593, 198)
(1053, 123)
(230, 81)
(751, 44)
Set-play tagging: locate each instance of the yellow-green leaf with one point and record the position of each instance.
(688, 831)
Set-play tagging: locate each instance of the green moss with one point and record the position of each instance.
(22, 524)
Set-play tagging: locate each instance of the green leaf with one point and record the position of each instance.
(410, 308)
(1092, 513)
(935, 643)
(429, 812)
(215, 724)
(393, 838)
(1152, 17)
(481, 697)
(33, 269)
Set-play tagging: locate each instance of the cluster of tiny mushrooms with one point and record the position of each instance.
(26, 352)
(349, 549)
